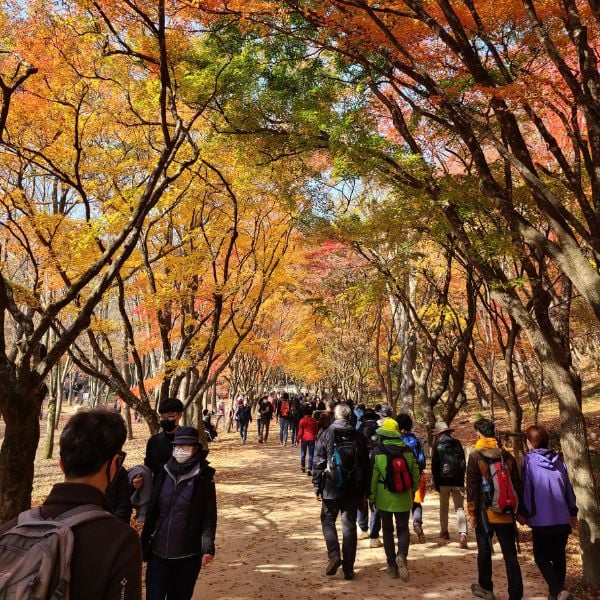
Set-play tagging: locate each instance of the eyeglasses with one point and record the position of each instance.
(170, 415)
(122, 456)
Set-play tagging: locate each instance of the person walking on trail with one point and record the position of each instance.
(294, 417)
(244, 417)
(326, 417)
(549, 508)
(306, 437)
(106, 562)
(394, 481)
(448, 466)
(493, 489)
(220, 415)
(405, 426)
(370, 528)
(265, 411)
(283, 413)
(341, 482)
(179, 532)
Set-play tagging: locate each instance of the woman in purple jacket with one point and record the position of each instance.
(550, 510)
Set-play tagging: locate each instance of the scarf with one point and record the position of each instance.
(486, 443)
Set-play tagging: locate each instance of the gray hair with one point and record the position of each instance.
(342, 411)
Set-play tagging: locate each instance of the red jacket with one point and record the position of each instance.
(307, 429)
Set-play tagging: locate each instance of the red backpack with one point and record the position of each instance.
(284, 410)
(498, 490)
(397, 474)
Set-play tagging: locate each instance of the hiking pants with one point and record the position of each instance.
(284, 424)
(458, 498)
(389, 544)
(330, 509)
(294, 430)
(244, 431)
(550, 557)
(304, 446)
(263, 429)
(173, 578)
(372, 525)
(506, 535)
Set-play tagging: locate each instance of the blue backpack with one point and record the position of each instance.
(412, 441)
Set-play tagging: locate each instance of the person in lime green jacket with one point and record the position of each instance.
(401, 474)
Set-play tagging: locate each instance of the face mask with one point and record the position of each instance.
(182, 455)
(168, 424)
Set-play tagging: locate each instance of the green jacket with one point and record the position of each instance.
(382, 498)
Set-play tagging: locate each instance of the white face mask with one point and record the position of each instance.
(182, 454)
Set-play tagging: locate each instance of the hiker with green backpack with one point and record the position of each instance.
(394, 481)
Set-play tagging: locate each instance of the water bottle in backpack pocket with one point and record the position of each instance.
(499, 494)
(342, 465)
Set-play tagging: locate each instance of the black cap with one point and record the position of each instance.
(170, 405)
(485, 427)
(186, 436)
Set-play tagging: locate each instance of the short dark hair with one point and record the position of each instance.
(485, 427)
(170, 405)
(537, 436)
(89, 439)
(404, 422)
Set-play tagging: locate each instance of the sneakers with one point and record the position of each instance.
(443, 538)
(375, 543)
(564, 595)
(482, 592)
(363, 535)
(418, 529)
(333, 565)
(392, 571)
(462, 542)
(402, 568)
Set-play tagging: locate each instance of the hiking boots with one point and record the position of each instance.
(392, 571)
(333, 565)
(462, 542)
(349, 575)
(402, 568)
(418, 529)
(443, 538)
(309, 473)
(363, 535)
(375, 543)
(482, 592)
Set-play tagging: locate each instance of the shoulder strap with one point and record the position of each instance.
(71, 518)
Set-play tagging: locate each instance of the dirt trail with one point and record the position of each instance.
(270, 545)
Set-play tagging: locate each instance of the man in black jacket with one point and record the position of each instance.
(448, 466)
(341, 481)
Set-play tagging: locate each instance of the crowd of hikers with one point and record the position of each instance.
(365, 464)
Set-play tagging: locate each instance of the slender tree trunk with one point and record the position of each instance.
(127, 418)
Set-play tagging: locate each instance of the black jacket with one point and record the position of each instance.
(118, 496)
(321, 482)
(201, 516)
(158, 451)
(448, 462)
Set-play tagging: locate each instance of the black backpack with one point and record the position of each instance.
(344, 467)
(452, 459)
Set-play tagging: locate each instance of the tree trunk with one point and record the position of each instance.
(127, 418)
(50, 421)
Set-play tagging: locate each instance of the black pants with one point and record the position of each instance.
(387, 525)
(329, 513)
(506, 535)
(549, 552)
(173, 579)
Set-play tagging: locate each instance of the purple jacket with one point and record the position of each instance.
(548, 497)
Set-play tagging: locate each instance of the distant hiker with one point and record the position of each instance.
(239, 401)
(493, 488)
(179, 533)
(448, 466)
(550, 509)
(106, 559)
(220, 414)
(307, 435)
(209, 429)
(341, 481)
(244, 417)
(385, 412)
(295, 415)
(326, 417)
(358, 413)
(405, 425)
(394, 481)
(283, 414)
(370, 528)
(265, 411)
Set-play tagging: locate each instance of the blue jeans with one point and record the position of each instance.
(310, 446)
(506, 535)
(244, 431)
(373, 525)
(283, 429)
(172, 578)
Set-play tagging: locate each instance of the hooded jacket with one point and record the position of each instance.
(384, 499)
(548, 497)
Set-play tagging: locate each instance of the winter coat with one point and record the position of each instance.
(182, 516)
(323, 485)
(548, 497)
(107, 558)
(384, 499)
(244, 414)
(448, 463)
(488, 448)
(118, 496)
(368, 428)
(307, 429)
(265, 410)
(413, 442)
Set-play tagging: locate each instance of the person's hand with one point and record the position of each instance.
(472, 522)
(207, 559)
(138, 481)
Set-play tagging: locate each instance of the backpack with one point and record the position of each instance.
(294, 411)
(499, 494)
(35, 555)
(412, 441)
(343, 467)
(452, 459)
(284, 410)
(397, 474)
